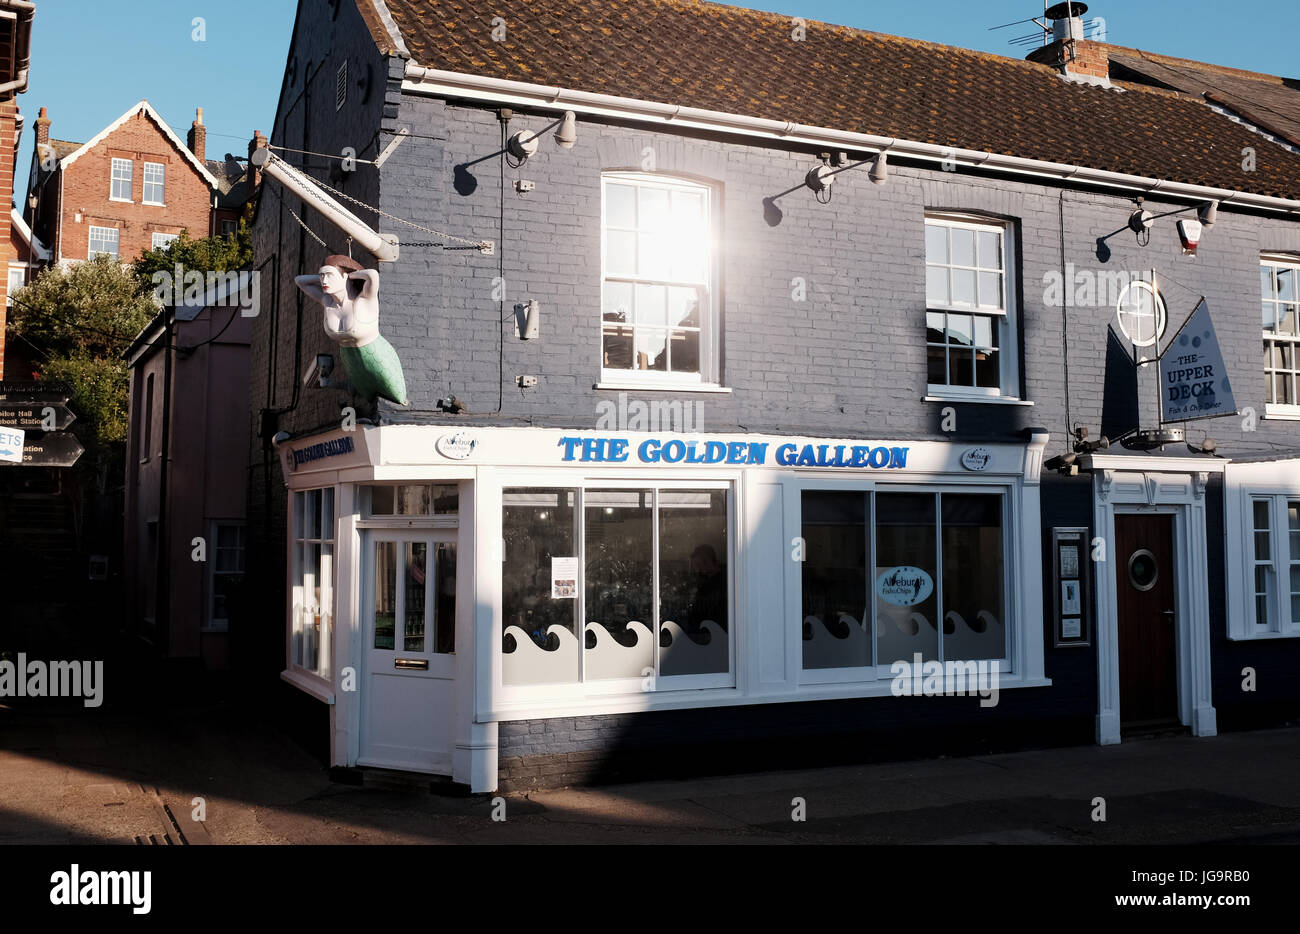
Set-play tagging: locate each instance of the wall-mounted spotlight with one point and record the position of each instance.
(1140, 223)
(1208, 213)
(1063, 464)
(523, 144)
(819, 179)
(1083, 446)
(879, 173)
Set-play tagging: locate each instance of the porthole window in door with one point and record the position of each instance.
(1143, 572)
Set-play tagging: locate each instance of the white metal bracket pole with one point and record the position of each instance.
(383, 246)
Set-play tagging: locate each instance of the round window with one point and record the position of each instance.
(1143, 570)
(1141, 313)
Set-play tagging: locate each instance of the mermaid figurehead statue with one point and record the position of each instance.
(349, 296)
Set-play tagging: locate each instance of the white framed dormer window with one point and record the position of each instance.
(312, 557)
(155, 174)
(163, 240)
(119, 188)
(103, 240)
(971, 347)
(1279, 281)
(659, 305)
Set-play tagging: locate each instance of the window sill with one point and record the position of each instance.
(310, 684)
(155, 204)
(1260, 636)
(1289, 413)
(978, 400)
(665, 387)
(121, 200)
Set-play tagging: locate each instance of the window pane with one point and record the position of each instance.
(836, 612)
(617, 347)
(381, 500)
(327, 514)
(991, 289)
(620, 205)
(1269, 315)
(413, 612)
(446, 499)
(619, 597)
(651, 304)
(972, 577)
(653, 203)
(693, 592)
(1267, 288)
(684, 308)
(385, 594)
(1286, 285)
(684, 352)
(960, 329)
(988, 374)
(311, 515)
(936, 243)
(936, 285)
(903, 579)
(413, 500)
(963, 247)
(990, 249)
(444, 607)
(963, 287)
(936, 366)
(655, 255)
(651, 350)
(1261, 514)
(1287, 319)
(620, 252)
(618, 302)
(539, 638)
(961, 367)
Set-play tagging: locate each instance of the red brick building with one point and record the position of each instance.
(15, 53)
(131, 188)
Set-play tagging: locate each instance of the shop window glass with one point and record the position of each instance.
(415, 500)
(907, 602)
(972, 577)
(539, 613)
(694, 604)
(836, 606)
(313, 598)
(619, 538)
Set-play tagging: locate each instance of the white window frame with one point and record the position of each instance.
(1274, 409)
(882, 672)
(91, 252)
(213, 623)
(632, 688)
(122, 170)
(1276, 483)
(167, 240)
(20, 272)
(298, 545)
(1006, 319)
(709, 376)
(160, 183)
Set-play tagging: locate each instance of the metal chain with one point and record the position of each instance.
(382, 213)
(308, 229)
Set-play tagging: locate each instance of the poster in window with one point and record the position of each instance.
(564, 578)
(1069, 561)
(1072, 628)
(1070, 598)
(1071, 588)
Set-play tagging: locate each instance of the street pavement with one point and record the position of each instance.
(139, 773)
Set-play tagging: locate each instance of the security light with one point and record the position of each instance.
(1208, 213)
(523, 144)
(879, 173)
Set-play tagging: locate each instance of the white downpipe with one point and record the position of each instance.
(384, 247)
(422, 80)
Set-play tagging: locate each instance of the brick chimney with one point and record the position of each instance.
(43, 128)
(1069, 51)
(257, 142)
(198, 136)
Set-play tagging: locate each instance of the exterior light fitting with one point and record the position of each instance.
(819, 179)
(523, 144)
(1208, 213)
(879, 173)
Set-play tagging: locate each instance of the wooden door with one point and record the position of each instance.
(1144, 569)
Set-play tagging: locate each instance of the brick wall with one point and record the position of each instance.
(86, 191)
(8, 121)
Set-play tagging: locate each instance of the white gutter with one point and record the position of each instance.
(422, 80)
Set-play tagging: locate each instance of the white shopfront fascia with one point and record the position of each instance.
(763, 518)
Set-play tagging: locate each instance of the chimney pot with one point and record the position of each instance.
(43, 128)
(1070, 51)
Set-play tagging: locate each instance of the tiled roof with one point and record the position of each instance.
(721, 58)
(1268, 101)
(232, 182)
(63, 147)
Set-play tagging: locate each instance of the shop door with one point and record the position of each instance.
(409, 617)
(1145, 568)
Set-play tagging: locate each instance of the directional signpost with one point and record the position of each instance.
(48, 416)
(32, 418)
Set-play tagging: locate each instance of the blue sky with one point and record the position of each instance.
(93, 59)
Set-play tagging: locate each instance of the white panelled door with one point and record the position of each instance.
(409, 620)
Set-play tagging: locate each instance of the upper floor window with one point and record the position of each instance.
(659, 309)
(103, 240)
(1279, 280)
(17, 279)
(154, 175)
(163, 240)
(120, 187)
(970, 308)
(229, 228)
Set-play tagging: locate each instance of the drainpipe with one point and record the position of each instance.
(162, 588)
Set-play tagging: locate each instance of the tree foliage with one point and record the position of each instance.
(211, 254)
(81, 320)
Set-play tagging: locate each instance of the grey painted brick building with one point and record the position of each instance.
(775, 461)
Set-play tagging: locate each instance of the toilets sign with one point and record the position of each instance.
(1193, 380)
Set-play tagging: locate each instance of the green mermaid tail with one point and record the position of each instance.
(374, 370)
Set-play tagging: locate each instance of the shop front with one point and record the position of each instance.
(445, 582)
